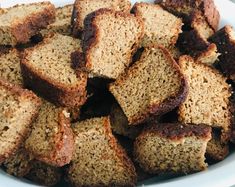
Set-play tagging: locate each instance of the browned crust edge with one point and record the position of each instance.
(22, 31)
(15, 89)
(91, 33)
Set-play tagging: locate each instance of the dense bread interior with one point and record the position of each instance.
(10, 67)
(116, 36)
(51, 59)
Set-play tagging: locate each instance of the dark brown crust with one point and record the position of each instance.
(22, 31)
(64, 147)
(91, 33)
(178, 131)
(24, 94)
(226, 46)
(207, 7)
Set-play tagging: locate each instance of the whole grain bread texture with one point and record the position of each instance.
(110, 40)
(184, 9)
(99, 160)
(152, 86)
(51, 140)
(225, 41)
(172, 148)
(19, 23)
(10, 67)
(47, 70)
(82, 8)
(18, 108)
(208, 101)
(156, 22)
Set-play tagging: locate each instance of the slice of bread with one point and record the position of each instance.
(18, 107)
(44, 174)
(10, 67)
(84, 7)
(51, 140)
(19, 23)
(156, 22)
(216, 150)
(184, 9)
(173, 148)
(208, 99)
(119, 123)
(46, 69)
(225, 41)
(99, 160)
(110, 40)
(152, 86)
(209, 56)
(19, 164)
(62, 22)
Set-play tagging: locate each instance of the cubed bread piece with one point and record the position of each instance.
(84, 7)
(152, 86)
(18, 108)
(225, 41)
(209, 56)
(62, 22)
(99, 160)
(18, 164)
(44, 174)
(208, 99)
(51, 140)
(156, 22)
(172, 147)
(175, 52)
(10, 67)
(216, 150)
(184, 9)
(110, 40)
(19, 23)
(46, 69)
(119, 123)
(194, 41)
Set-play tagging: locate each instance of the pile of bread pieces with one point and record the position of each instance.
(103, 93)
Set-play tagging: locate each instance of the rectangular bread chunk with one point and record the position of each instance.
(18, 108)
(47, 70)
(62, 22)
(10, 67)
(110, 40)
(173, 148)
(225, 41)
(184, 9)
(156, 22)
(84, 7)
(51, 140)
(208, 99)
(152, 86)
(99, 160)
(19, 23)
(44, 174)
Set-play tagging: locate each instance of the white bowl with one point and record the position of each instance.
(218, 175)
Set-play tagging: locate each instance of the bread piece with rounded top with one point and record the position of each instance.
(176, 148)
(47, 70)
(156, 22)
(18, 108)
(10, 67)
(19, 23)
(82, 8)
(225, 41)
(110, 40)
(152, 86)
(208, 99)
(51, 140)
(99, 160)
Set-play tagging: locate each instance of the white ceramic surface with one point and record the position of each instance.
(218, 175)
